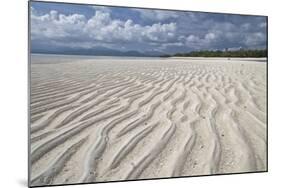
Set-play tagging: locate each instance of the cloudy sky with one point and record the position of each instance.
(67, 26)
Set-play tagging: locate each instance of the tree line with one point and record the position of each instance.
(220, 53)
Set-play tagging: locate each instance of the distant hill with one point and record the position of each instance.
(98, 51)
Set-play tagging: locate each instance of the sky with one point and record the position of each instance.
(65, 27)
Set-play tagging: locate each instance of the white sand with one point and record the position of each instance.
(106, 119)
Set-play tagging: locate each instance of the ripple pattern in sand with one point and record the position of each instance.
(106, 120)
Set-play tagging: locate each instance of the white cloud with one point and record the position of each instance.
(192, 39)
(101, 8)
(158, 15)
(101, 27)
(197, 42)
(210, 36)
(54, 25)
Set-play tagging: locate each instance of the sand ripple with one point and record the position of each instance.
(106, 120)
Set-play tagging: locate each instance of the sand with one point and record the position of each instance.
(95, 120)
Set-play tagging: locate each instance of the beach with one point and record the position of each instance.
(112, 119)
